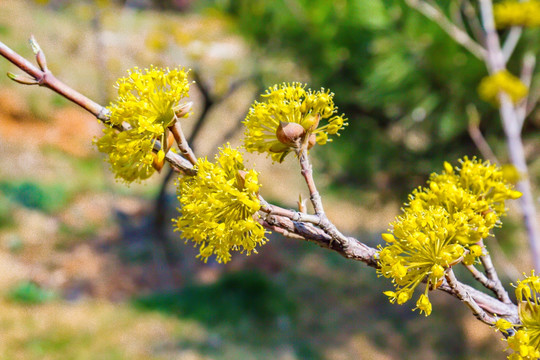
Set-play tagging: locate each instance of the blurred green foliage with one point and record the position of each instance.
(241, 298)
(402, 81)
(28, 292)
(48, 198)
(5, 211)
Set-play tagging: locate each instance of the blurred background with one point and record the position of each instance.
(90, 268)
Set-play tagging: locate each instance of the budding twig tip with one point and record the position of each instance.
(21, 79)
(34, 44)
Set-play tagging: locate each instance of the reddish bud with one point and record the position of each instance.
(289, 133)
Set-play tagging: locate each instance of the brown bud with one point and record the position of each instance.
(241, 177)
(312, 141)
(158, 161)
(436, 286)
(289, 133)
(182, 110)
(170, 140)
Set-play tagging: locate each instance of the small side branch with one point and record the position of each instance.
(464, 296)
(527, 71)
(511, 42)
(495, 284)
(459, 35)
(489, 284)
(290, 214)
(43, 77)
(315, 197)
(477, 137)
(182, 143)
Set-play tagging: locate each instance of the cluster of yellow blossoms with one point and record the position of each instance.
(219, 207)
(289, 113)
(524, 338)
(145, 108)
(504, 81)
(513, 13)
(441, 226)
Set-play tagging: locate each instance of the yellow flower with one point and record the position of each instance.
(525, 342)
(514, 13)
(504, 81)
(441, 226)
(503, 325)
(219, 207)
(289, 114)
(424, 305)
(423, 247)
(145, 107)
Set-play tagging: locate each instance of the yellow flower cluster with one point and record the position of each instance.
(441, 226)
(514, 13)
(289, 113)
(219, 207)
(504, 81)
(145, 107)
(525, 341)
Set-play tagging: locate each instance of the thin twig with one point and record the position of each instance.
(459, 35)
(495, 284)
(472, 20)
(464, 296)
(511, 42)
(486, 302)
(290, 214)
(489, 284)
(510, 271)
(182, 143)
(527, 71)
(47, 79)
(477, 137)
(315, 197)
